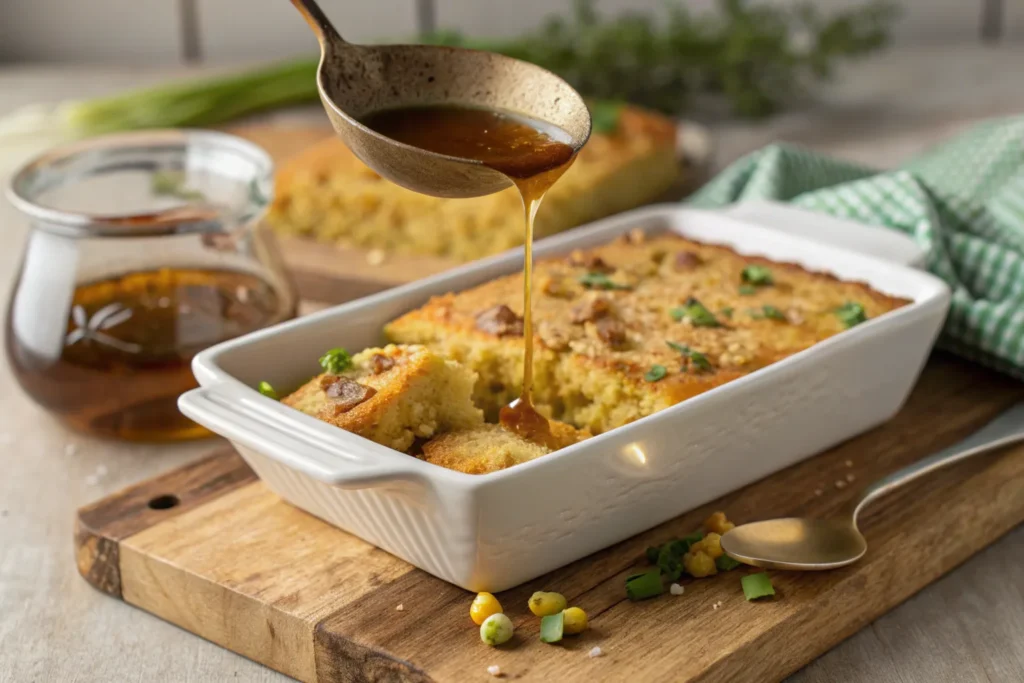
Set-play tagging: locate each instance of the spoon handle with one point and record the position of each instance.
(1004, 430)
(317, 20)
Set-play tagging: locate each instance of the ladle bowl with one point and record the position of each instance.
(357, 80)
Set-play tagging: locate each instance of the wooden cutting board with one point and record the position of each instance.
(331, 274)
(209, 548)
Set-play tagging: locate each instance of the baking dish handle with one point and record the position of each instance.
(295, 441)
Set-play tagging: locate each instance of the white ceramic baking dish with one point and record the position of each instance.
(494, 531)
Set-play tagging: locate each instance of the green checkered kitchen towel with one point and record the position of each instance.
(962, 201)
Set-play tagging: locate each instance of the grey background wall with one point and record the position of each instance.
(168, 31)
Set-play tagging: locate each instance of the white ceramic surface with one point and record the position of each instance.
(494, 531)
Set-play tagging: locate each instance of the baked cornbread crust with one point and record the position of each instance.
(597, 348)
(329, 195)
(394, 396)
(491, 447)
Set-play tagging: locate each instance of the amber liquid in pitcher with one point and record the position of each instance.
(128, 346)
(526, 154)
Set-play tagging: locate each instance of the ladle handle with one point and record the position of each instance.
(1004, 430)
(318, 21)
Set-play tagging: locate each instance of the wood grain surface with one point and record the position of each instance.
(238, 566)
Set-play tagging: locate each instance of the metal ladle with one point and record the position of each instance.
(815, 544)
(356, 80)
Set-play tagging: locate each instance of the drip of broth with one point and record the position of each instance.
(527, 152)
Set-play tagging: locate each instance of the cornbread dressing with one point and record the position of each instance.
(635, 326)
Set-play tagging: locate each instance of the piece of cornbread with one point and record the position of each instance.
(491, 447)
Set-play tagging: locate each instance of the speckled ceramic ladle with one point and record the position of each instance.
(356, 80)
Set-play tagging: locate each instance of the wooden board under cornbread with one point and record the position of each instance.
(209, 548)
(331, 274)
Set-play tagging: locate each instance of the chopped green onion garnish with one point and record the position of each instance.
(727, 311)
(681, 348)
(670, 560)
(656, 373)
(600, 281)
(643, 586)
(551, 627)
(652, 554)
(690, 539)
(267, 390)
(774, 313)
(696, 313)
(336, 361)
(726, 563)
(757, 586)
(747, 290)
(697, 359)
(757, 275)
(851, 314)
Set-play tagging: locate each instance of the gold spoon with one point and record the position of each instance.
(356, 80)
(815, 544)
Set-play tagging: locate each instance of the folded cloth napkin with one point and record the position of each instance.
(962, 201)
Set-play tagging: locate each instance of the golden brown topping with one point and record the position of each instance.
(686, 260)
(553, 285)
(590, 310)
(592, 262)
(635, 236)
(612, 331)
(345, 394)
(501, 321)
(554, 338)
(381, 363)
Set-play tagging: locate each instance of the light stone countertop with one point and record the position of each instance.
(969, 626)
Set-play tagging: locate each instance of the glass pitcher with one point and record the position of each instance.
(145, 248)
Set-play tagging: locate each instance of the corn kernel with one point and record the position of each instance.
(718, 523)
(545, 604)
(484, 605)
(574, 620)
(699, 564)
(712, 545)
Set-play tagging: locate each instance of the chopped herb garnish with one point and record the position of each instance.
(758, 276)
(747, 290)
(696, 313)
(670, 559)
(726, 563)
(600, 281)
(656, 373)
(727, 311)
(652, 554)
(551, 627)
(267, 390)
(336, 361)
(643, 586)
(767, 311)
(757, 586)
(697, 359)
(851, 314)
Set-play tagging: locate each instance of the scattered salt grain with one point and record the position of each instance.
(849, 463)
(840, 484)
(675, 589)
(595, 652)
(375, 257)
(818, 492)
(494, 670)
(400, 608)
(850, 478)
(714, 606)
(70, 449)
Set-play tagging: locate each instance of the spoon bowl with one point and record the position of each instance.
(793, 543)
(357, 80)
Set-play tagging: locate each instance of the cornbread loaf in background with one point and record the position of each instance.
(326, 194)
